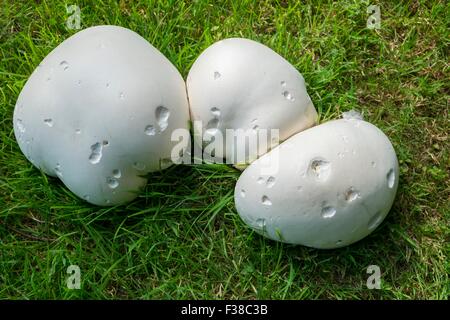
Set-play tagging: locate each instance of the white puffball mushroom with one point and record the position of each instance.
(241, 84)
(98, 113)
(326, 187)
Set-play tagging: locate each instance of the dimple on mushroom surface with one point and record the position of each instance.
(321, 199)
(103, 102)
(241, 84)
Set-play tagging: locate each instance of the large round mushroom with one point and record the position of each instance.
(98, 113)
(326, 187)
(241, 84)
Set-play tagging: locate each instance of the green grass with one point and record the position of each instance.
(182, 238)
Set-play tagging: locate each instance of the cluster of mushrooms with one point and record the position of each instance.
(100, 112)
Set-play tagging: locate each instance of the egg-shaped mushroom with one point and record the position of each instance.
(98, 113)
(240, 84)
(325, 187)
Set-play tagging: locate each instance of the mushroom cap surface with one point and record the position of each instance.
(325, 187)
(98, 113)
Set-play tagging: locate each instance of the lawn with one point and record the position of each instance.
(182, 238)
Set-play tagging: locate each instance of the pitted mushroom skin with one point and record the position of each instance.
(333, 185)
(98, 113)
